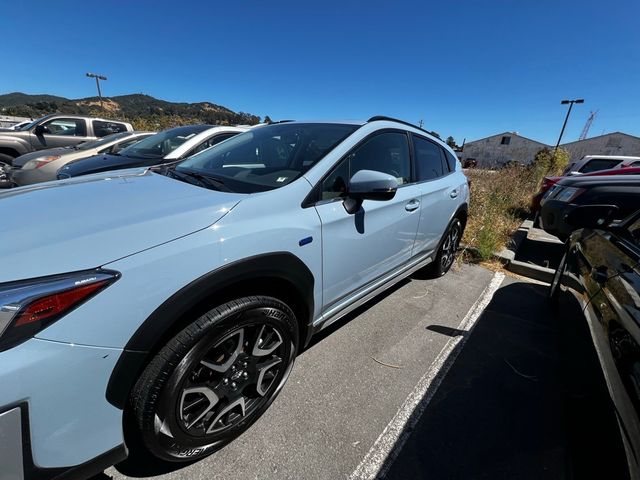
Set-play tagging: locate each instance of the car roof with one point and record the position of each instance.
(336, 122)
(396, 123)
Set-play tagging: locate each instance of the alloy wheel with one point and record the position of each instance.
(231, 381)
(450, 246)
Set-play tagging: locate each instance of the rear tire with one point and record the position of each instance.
(447, 250)
(213, 380)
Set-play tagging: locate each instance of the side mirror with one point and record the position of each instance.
(369, 185)
(591, 216)
(40, 130)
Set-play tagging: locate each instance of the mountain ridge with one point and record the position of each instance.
(142, 109)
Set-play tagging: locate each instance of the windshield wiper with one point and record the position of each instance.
(204, 180)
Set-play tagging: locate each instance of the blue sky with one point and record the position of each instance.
(467, 68)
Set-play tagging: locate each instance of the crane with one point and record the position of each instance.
(587, 125)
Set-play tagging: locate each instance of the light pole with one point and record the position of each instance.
(98, 78)
(565, 102)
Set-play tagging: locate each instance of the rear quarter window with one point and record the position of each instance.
(451, 160)
(598, 164)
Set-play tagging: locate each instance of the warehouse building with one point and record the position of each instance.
(616, 143)
(497, 150)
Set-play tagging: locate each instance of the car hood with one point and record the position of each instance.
(22, 159)
(76, 224)
(103, 163)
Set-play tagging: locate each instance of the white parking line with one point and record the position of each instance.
(395, 434)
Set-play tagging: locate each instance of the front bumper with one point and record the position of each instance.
(22, 177)
(16, 459)
(55, 393)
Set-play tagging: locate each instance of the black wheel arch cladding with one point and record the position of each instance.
(160, 325)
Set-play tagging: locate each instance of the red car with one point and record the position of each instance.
(548, 182)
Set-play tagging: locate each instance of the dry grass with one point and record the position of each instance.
(499, 203)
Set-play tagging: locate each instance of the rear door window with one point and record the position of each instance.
(429, 159)
(597, 164)
(102, 128)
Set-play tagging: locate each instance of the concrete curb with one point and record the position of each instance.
(530, 270)
(508, 257)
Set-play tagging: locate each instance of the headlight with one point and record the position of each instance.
(549, 193)
(567, 194)
(28, 306)
(39, 162)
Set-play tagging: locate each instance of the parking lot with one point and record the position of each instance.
(403, 389)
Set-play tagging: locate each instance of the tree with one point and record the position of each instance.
(435, 134)
(267, 119)
(451, 142)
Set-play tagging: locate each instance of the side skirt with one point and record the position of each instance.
(345, 305)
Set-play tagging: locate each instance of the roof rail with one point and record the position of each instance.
(391, 119)
(280, 121)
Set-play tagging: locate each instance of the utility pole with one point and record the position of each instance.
(98, 78)
(420, 124)
(570, 103)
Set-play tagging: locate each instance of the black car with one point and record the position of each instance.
(601, 269)
(168, 146)
(623, 191)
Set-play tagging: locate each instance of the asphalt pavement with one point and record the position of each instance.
(498, 411)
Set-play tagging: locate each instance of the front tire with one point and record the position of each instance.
(214, 379)
(6, 159)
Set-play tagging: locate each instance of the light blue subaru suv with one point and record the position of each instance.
(158, 312)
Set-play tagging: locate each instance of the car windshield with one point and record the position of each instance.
(269, 157)
(101, 141)
(162, 144)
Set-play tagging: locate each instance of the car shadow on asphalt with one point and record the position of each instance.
(524, 399)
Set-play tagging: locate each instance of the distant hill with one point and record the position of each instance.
(144, 111)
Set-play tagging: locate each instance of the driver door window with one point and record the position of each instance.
(59, 132)
(67, 127)
(387, 152)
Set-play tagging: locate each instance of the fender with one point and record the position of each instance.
(151, 334)
(15, 143)
(464, 210)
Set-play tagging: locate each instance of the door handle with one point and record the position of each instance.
(412, 205)
(454, 193)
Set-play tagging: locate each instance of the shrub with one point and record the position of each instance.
(499, 202)
(549, 162)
